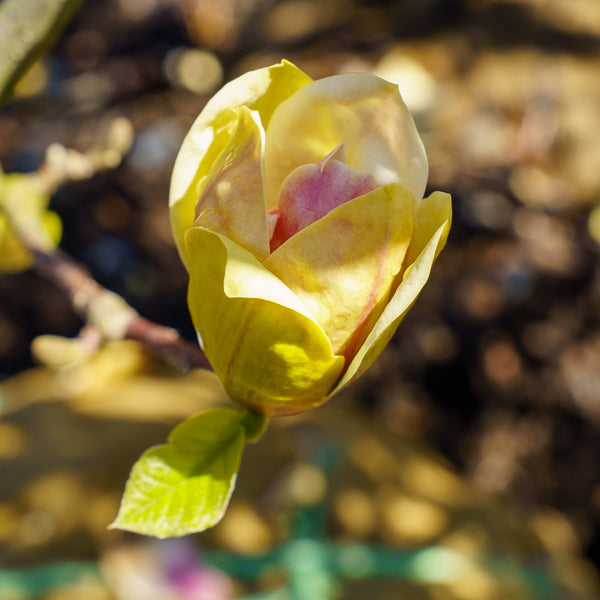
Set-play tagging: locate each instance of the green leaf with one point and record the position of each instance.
(27, 30)
(184, 486)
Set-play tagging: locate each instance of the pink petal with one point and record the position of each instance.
(312, 191)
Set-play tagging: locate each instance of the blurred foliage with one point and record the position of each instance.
(120, 380)
(28, 28)
(24, 197)
(24, 201)
(327, 499)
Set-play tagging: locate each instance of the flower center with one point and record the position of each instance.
(311, 191)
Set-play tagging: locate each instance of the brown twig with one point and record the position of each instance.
(105, 313)
(110, 314)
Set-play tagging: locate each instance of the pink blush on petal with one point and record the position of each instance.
(311, 191)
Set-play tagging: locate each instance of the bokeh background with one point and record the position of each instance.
(466, 463)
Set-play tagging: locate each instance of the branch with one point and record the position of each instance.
(110, 314)
(107, 313)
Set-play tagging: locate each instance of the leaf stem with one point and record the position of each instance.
(254, 425)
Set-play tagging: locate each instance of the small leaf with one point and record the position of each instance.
(27, 31)
(184, 486)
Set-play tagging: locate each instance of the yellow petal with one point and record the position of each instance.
(431, 230)
(434, 211)
(262, 90)
(360, 109)
(233, 203)
(261, 341)
(343, 266)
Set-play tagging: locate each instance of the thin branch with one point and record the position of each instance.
(110, 314)
(106, 314)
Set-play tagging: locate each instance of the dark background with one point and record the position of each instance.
(498, 364)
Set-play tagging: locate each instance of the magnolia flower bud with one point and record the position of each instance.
(297, 207)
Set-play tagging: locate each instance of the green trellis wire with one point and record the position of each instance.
(314, 569)
(314, 566)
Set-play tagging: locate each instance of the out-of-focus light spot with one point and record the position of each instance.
(594, 224)
(297, 18)
(481, 299)
(12, 441)
(36, 528)
(476, 585)
(536, 187)
(409, 520)
(151, 569)
(555, 532)
(243, 530)
(548, 241)
(357, 561)
(373, 458)
(305, 485)
(9, 522)
(156, 145)
(416, 85)
(471, 539)
(502, 363)
(198, 71)
(439, 565)
(486, 139)
(489, 209)
(212, 23)
(306, 556)
(60, 494)
(90, 88)
(100, 510)
(137, 10)
(437, 342)
(512, 274)
(497, 466)
(118, 141)
(33, 81)
(580, 371)
(355, 511)
(542, 339)
(406, 411)
(432, 480)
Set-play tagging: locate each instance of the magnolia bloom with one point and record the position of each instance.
(297, 207)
